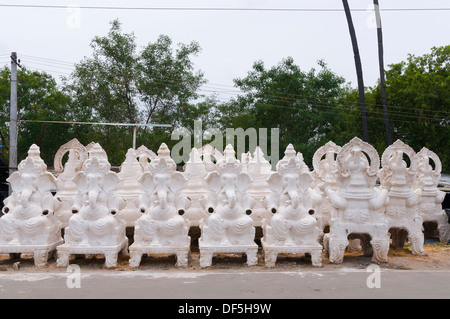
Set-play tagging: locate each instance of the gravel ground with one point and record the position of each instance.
(437, 257)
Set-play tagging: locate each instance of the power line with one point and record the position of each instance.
(69, 64)
(218, 9)
(98, 123)
(289, 97)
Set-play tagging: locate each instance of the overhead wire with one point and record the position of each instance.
(218, 8)
(289, 97)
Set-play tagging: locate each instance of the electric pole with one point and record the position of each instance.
(382, 79)
(359, 72)
(13, 127)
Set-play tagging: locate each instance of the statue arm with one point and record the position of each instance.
(143, 202)
(335, 199)
(379, 200)
(272, 202)
(209, 202)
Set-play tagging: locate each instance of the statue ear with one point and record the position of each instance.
(147, 181)
(177, 181)
(111, 181)
(304, 181)
(81, 181)
(242, 181)
(15, 181)
(275, 182)
(46, 182)
(213, 181)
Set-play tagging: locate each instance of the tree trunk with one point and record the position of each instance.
(359, 71)
(382, 79)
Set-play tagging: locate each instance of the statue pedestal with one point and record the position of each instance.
(272, 249)
(271, 252)
(207, 250)
(337, 240)
(182, 253)
(40, 252)
(110, 252)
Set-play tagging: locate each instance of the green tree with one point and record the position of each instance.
(39, 99)
(120, 84)
(418, 93)
(418, 103)
(300, 104)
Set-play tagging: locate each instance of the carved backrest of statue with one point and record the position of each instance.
(145, 156)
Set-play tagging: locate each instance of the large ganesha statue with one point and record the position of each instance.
(292, 228)
(161, 229)
(28, 223)
(358, 204)
(403, 202)
(229, 228)
(95, 227)
(427, 180)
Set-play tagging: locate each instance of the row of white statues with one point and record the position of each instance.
(226, 198)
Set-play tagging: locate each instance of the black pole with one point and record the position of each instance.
(359, 72)
(382, 75)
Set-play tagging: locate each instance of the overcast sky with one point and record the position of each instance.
(231, 41)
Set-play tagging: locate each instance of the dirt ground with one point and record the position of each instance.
(437, 257)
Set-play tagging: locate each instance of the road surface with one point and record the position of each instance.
(374, 283)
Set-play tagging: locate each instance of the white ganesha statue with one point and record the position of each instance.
(66, 188)
(95, 227)
(129, 187)
(195, 187)
(325, 174)
(427, 180)
(292, 228)
(358, 203)
(259, 170)
(229, 228)
(402, 204)
(161, 227)
(28, 223)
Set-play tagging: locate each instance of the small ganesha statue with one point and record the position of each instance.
(292, 228)
(427, 180)
(94, 227)
(28, 223)
(161, 229)
(229, 228)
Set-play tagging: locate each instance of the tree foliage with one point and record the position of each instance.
(418, 93)
(38, 99)
(118, 84)
(300, 104)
